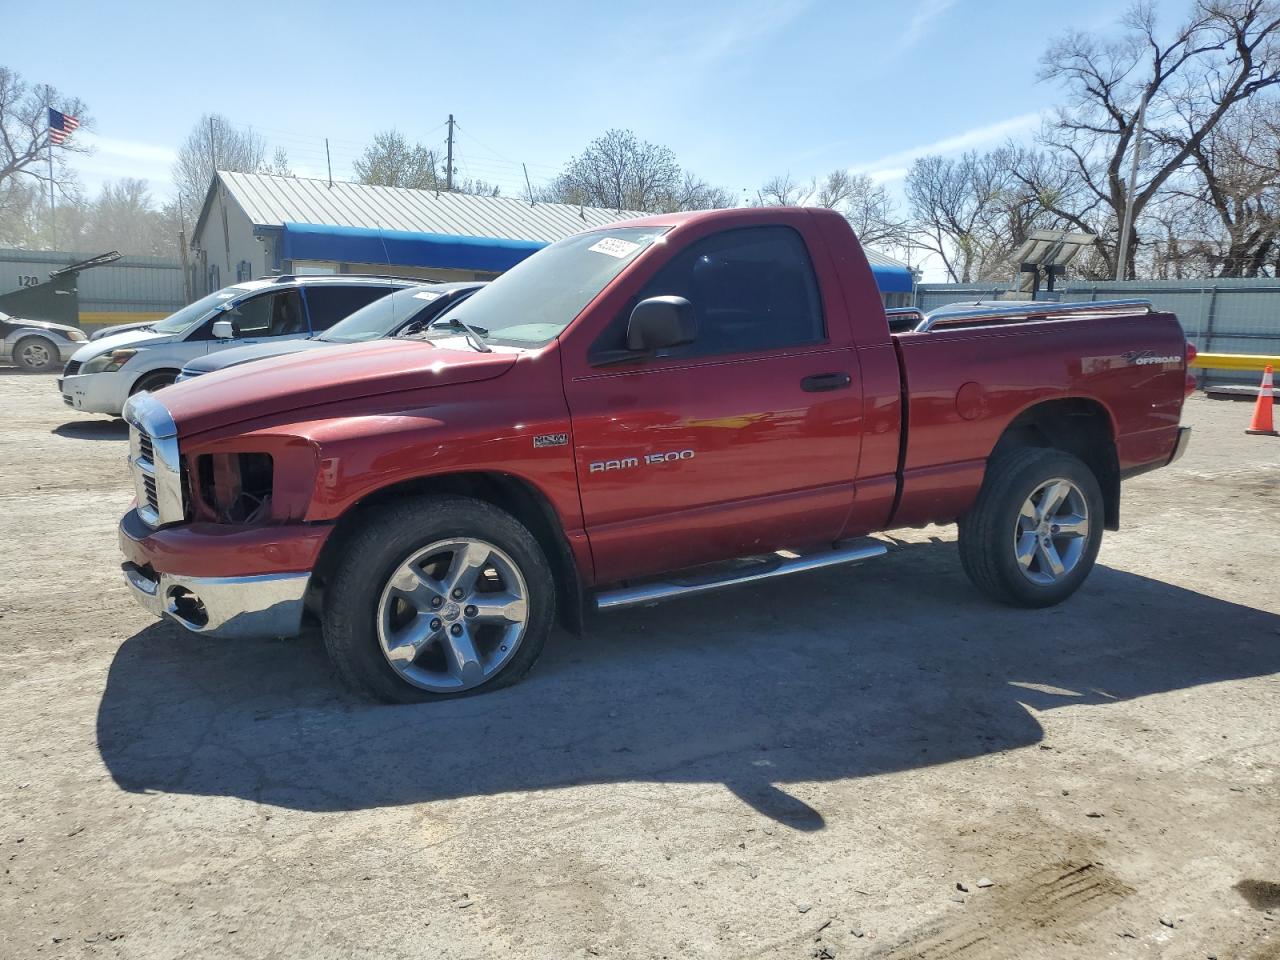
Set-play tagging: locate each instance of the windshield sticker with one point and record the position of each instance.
(614, 247)
(426, 295)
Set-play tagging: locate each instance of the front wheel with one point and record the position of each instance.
(437, 597)
(1033, 534)
(36, 355)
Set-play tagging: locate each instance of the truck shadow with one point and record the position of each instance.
(115, 429)
(829, 676)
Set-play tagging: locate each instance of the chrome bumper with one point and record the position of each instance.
(227, 607)
(1180, 447)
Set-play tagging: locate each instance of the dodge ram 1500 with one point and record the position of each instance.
(660, 407)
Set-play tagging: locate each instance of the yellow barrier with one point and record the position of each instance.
(1234, 361)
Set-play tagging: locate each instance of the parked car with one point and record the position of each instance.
(653, 409)
(399, 314)
(104, 373)
(37, 346)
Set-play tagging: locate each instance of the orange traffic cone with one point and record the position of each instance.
(1262, 422)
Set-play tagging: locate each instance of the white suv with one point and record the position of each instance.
(105, 372)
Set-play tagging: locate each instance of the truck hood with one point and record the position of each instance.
(340, 373)
(129, 338)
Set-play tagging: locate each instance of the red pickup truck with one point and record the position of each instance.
(660, 407)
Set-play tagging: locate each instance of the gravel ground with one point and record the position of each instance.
(805, 770)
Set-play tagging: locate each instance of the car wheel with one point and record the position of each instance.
(153, 381)
(437, 597)
(1033, 534)
(36, 355)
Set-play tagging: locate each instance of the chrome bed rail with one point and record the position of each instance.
(974, 313)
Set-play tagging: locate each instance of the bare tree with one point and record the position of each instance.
(25, 176)
(391, 161)
(1237, 186)
(24, 132)
(214, 144)
(278, 165)
(619, 170)
(1225, 53)
(867, 205)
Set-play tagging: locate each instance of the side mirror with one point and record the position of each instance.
(223, 330)
(661, 322)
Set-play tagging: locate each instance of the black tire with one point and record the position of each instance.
(987, 531)
(37, 355)
(154, 381)
(386, 538)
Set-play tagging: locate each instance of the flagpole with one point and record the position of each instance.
(53, 227)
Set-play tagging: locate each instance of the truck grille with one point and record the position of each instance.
(154, 461)
(72, 369)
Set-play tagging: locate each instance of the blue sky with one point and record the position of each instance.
(740, 89)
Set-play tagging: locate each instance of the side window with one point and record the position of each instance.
(329, 304)
(271, 315)
(751, 289)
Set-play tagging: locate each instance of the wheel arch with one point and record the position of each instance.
(133, 387)
(1080, 426)
(516, 495)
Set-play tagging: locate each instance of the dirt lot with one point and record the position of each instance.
(799, 771)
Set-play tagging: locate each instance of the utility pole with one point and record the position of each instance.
(448, 166)
(182, 248)
(527, 183)
(1122, 260)
(328, 162)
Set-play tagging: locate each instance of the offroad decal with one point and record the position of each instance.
(1144, 358)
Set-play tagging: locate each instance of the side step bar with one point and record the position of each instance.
(775, 565)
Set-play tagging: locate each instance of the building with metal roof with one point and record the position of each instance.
(253, 225)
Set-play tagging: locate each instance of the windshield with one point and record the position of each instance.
(535, 300)
(192, 313)
(382, 317)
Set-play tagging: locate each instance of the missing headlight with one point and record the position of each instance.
(236, 487)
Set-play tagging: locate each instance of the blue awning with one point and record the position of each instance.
(892, 279)
(402, 248)
(406, 248)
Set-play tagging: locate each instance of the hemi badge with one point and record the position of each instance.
(551, 440)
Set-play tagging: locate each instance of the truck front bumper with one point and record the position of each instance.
(184, 573)
(269, 605)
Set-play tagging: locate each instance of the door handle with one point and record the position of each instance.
(822, 382)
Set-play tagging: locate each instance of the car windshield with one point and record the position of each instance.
(535, 300)
(382, 317)
(193, 313)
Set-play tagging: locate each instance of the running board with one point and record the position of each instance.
(779, 564)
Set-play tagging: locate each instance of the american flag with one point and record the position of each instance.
(61, 126)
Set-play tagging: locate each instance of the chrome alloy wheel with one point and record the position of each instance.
(35, 354)
(1052, 531)
(452, 615)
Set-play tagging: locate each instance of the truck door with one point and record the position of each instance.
(742, 442)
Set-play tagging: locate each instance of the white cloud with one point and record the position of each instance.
(113, 158)
(894, 166)
(926, 13)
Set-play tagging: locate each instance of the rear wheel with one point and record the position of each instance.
(437, 597)
(36, 355)
(1034, 532)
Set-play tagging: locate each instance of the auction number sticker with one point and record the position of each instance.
(426, 295)
(614, 247)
